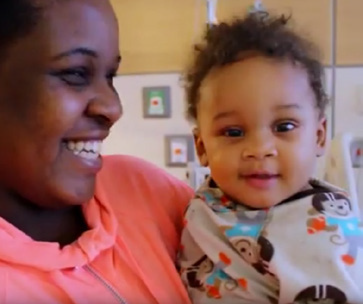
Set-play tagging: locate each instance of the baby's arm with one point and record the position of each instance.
(194, 265)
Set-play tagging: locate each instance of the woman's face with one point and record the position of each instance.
(58, 103)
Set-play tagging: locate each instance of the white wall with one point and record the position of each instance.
(145, 137)
(349, 80)
(141, 137)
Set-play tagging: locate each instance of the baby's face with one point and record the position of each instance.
(259, 130)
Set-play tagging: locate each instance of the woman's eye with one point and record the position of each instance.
(75, 77)
(285, 127)
(233, 132)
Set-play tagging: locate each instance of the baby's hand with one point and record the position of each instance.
(316, 224)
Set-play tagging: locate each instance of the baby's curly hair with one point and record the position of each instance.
(259, 33)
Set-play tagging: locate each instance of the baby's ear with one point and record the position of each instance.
(321, 134)
(200, 148)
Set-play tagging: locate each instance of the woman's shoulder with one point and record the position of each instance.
(130, 180)
(134, 169)
(112, 163)
(140, 192)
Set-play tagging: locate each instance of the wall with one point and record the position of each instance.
(145, 138)
(348, 82)
(141, 137)
(160, 41)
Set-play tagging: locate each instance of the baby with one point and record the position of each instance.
(261, 230)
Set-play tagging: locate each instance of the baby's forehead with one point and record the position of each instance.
(258, 88)
(253, 106)
(256, 77)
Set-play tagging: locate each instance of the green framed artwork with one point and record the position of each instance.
(156, 102)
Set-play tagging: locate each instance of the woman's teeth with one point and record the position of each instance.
(85, 149)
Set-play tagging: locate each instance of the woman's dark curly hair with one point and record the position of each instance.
(17, 19)
(258, 33)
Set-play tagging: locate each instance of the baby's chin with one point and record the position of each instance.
(260, 203)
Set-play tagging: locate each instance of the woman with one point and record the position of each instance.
(76, 228)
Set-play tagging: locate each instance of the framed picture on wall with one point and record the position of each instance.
(156, 102)
(179, 150)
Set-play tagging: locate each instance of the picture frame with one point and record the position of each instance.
(179, 150)
(156, 102)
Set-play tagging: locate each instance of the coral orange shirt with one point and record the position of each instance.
(127, 256)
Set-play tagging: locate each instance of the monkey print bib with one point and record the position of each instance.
(307, 249)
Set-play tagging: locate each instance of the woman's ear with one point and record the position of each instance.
(321, 137)
(199, 146)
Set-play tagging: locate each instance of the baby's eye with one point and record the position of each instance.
(285, 127)
(233, 132)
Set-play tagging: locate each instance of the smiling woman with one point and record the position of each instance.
(66, 94)
(61, 203)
